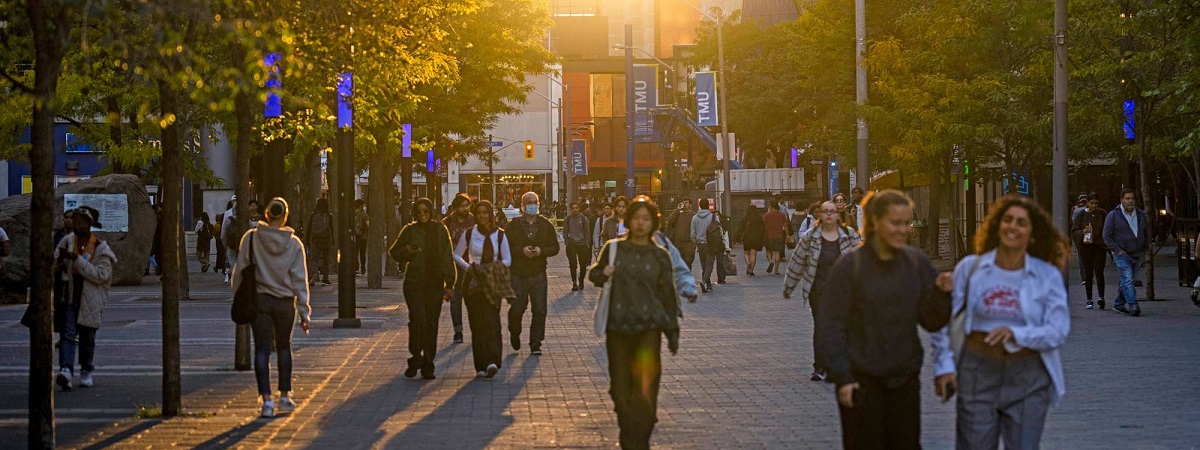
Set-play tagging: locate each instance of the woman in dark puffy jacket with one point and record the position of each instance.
(423, 250)
(1086, 232)
(753, 231)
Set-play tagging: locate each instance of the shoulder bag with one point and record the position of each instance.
(958, 323)
(245, 300)
(600, 316)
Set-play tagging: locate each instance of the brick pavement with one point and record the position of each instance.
(739, 381)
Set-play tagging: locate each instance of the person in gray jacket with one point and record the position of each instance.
(88, 263)
(708, 250)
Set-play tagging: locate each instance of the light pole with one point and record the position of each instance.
(722, 100)
(862, 174)
(565, 108)
(630, 179)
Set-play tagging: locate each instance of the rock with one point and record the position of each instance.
(132, 247)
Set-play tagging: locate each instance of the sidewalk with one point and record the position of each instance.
(739, 381)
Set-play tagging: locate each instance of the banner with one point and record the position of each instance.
(406, 141)
(345, 91)
(579, 157)
(114, 209)
(706, 99)
(645, 98)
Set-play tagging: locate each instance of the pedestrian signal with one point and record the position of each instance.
(528, 149)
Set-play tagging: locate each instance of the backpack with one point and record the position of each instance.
(713, 233)
(232, 235)
(205, 234)
(360, 223)
(320, 226)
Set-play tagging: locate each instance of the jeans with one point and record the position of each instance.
(276, 318)
(456, 301)
(635, 368)
(887, 418)
(486, 346)
(74, 335)
(707, 260)
(1092, 259)
(529, 290)
(424, 311)
(579, 256)
(321, 254)
(1002, 399)
(1126, 265)
(231, 256)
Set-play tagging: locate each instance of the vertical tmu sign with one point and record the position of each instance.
(645, 98)
(706, 99)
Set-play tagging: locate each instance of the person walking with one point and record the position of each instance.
(1080, 207)
(231, 235)
(1015, 317)
(281, 273)
(458, 222)
(87, 263)
(579, 253)
(702, 223)
(318, 236)
(854, 209)
(204, 237)
(598, 227)
(423, 250)
(776, 224)
(362, 222)
(614, 227)
(1085, 231)
(533, 239)
(848, 217)
(817, 250)
(868, 337)
(800, 222)
(752, 231)
(643, 307)
(679, 231)
(1127, 234)
(477, 252)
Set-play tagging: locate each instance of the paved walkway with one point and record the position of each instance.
(739, 381)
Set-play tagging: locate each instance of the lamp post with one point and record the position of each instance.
(630, 178)
(723, 100)
(565, 108)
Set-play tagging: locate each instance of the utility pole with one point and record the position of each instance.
(723, 100)
(1059, 181)
(491, 173)
(345, 204)
(863, 172)
(630, 179)
(568, 150)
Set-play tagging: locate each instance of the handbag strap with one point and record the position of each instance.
(252, 246)
(967, 288)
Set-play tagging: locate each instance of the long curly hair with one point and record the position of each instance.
(1046, 242)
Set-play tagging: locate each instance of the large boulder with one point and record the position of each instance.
(132, 247)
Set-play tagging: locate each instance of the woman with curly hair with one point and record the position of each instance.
(1015, 317)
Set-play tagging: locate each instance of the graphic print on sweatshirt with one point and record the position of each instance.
(998, 300)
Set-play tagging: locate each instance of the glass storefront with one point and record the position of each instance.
(509, 187)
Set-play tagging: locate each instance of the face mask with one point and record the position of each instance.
(531, 210)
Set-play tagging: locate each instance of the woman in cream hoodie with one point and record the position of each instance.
(282, 290)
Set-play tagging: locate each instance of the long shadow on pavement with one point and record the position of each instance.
(233, 437)
(124, 434)
(483, 402)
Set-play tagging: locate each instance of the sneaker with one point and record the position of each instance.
(1091, 304)
(1135, 310)
(536, 352)
(480, 374)
(1100, 303)
(1121, 309)
(286, 405)
(817, 376)
(770, 267)
(718, 282)
(1196, 296)
(226, 278)
(574, 287)
(64, 379)
(410, 372)
(458, 337)
(515, 340)
(428, 375)
(326, 282)
(491, 371)
(86, 379)
(268, 409)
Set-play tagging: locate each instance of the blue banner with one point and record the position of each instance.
(406, 141)
(706, 99)
(1130, 108)
(345, 91)
(645, 98)
(579, 157)
(273, 107)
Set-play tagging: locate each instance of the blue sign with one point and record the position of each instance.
(795, 157)
(833, 178)
(273, 106)
(1130, 107)
(345, 91)
(495, 143)
(645, 98)
(579, 157)
(406, 141)
(706, 99)
(430, 161)
(1022, 184)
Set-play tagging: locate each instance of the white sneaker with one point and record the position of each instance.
(491, 370)
(480, 374)
(286, 405)
(268, 409)
(64, 379)
(86, 379)
(226, 278)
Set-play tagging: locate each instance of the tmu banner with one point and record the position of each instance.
(579, 156)
(645, 97)
(706, 99)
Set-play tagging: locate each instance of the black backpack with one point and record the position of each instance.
(205, 234)
(713, 233)
(245, 299)
(321, 225)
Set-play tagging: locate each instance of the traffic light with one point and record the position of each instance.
(528, 149)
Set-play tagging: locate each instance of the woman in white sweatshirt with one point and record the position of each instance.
(282, 279)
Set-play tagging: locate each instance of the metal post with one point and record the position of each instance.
(568, 149)
(723, 100)
(1060, 115)
(630, 179)
(491, 173)
(863, 171)
(345, 178)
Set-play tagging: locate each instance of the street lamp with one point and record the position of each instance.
(723, 100)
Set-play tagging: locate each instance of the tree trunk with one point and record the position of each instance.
(172, 201)
(50, 29)
(1148, 205)
(379, 196)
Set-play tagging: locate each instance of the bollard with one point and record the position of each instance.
(241, 348)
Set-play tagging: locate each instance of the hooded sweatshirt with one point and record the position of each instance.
(700, 223)
(279, 257)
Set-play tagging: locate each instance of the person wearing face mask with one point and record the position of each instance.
(424, 252)
(88, 263)
(458, 222)
(1085, 231)
(1015, 318)
(532, 239)
(868, 340)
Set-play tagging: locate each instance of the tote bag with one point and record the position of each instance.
(600, 316)
(245, 300)
(958, 324)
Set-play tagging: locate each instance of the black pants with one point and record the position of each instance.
(424, 310)
(531, 291)
(687, 250)
(276, 318)
(1092, 258)
(634, 363)
(360, 240)
(888, 418)
(486, 346)
(579, 256)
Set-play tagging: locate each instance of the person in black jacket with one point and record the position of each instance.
(1086, 231)
(867, 337)
(424, 251)
(532, 239)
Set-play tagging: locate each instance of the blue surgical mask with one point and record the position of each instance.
(531, 209)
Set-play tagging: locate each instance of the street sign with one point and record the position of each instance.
(495, 143)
